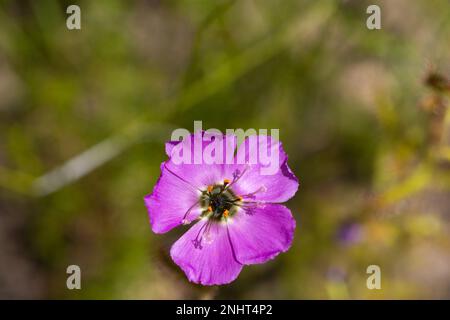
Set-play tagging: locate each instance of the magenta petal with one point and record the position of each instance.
(197, 170)
(205, 254)
(261, 233)
(256, 186)
(169, 146)
(171, 199)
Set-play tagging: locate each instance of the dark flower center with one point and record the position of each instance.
(219, 202)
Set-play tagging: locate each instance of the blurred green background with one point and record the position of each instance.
(362, 114)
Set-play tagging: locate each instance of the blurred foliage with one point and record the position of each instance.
(362, 114)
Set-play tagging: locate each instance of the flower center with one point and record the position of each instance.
(219, 201)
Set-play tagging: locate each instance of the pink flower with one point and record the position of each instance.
(238, 218)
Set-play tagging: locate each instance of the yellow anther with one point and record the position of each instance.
(209, 209)
(210, 188)
(226, 181)
(225, 213)
(239, 198)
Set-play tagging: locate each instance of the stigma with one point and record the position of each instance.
(219, 202)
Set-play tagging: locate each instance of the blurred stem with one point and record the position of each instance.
(94, 157)
(411, 185)
(16, 181)
(227, 73)
(428, 169)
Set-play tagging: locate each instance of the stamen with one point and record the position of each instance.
(252, 194)
(209, 208)
(210, 189)
(249, 207)
(225, 213)
(207, 238)
(238, 174)
(197, 242)
(203, 235)
(238, 199)
(184, 220)
(251, 204)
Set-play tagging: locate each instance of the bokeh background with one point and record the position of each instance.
(362, 114)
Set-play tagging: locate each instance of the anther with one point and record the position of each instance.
(210, 188)
(225, 213)
(226, 181)
(209, 208)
